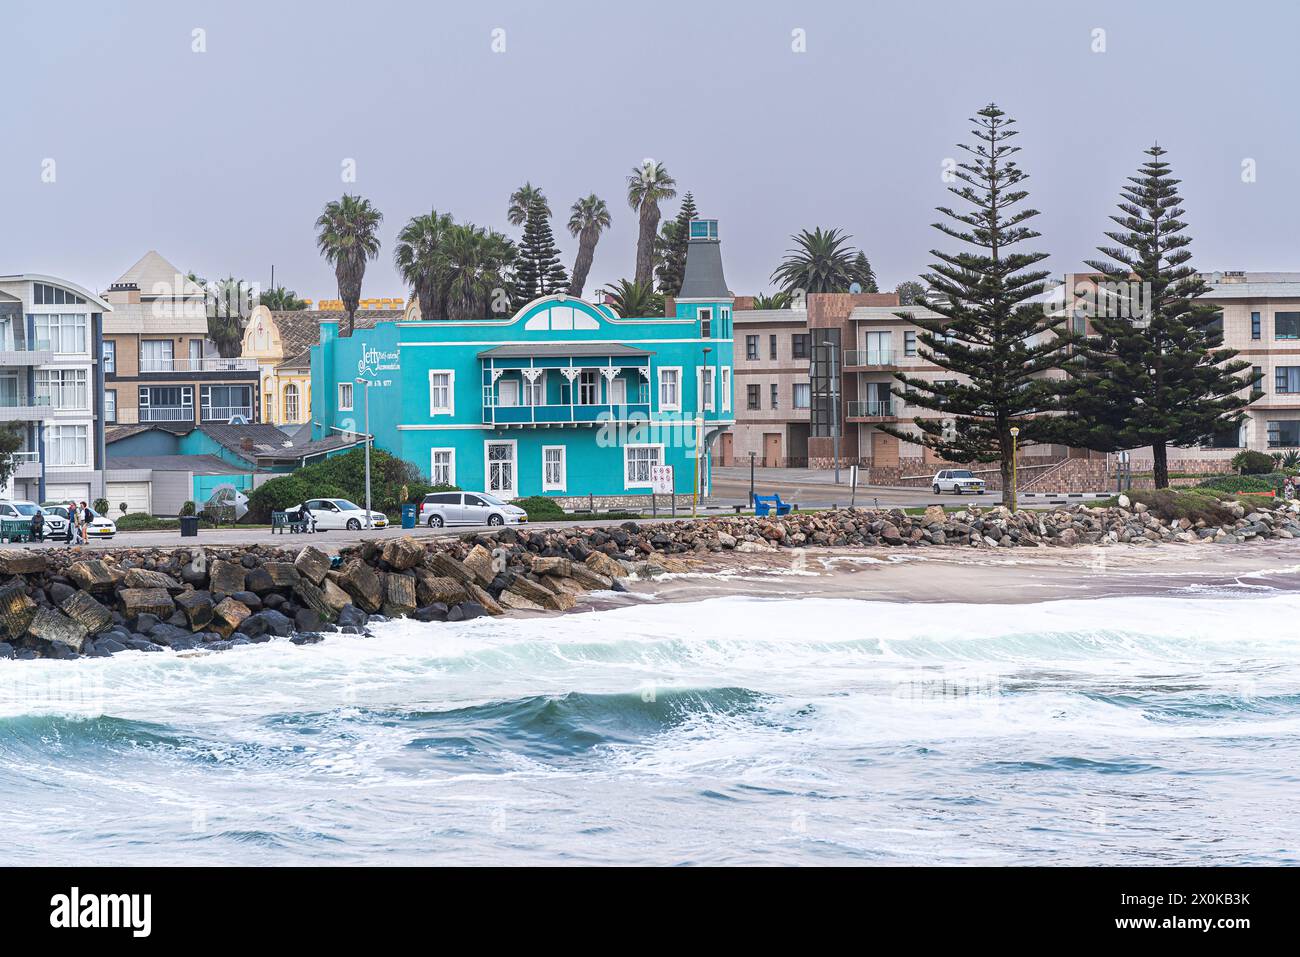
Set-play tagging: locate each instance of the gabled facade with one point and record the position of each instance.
(564, 398)
(159, 364)
(50, 330)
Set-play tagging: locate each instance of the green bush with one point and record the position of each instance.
(100, 505)
(540, 508)
(279, 493)
(1245, 484)
(142, 522)
(1250, 462)
(1193, 504)
(187, 508)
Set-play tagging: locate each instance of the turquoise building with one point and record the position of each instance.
(563, 399)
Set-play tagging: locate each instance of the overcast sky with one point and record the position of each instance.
(221, 160)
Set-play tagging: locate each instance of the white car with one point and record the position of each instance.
(336, 513)
(956, 481)
(468, 508)
(56, 525)
(99, 527)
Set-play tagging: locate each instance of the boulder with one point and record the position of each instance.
(312, 564)
(229, 614)
(361, 582)
(434, 612)
(515, 602)
(93, 575)
(403, 553)
(541, 595)
(283, 574)
(143, 578)
(146, 601)
(335, 597)
(479, 562)
(197, 606)
(465, 611)
(268, 622)
(602, 564)
(589, 578)
(259, 581)
(934, 515)
(560, 567)
(308, 621)
(226, 578)
(16, 609)
(315, 598)
(22, 561)
(399, 595)
(57, 628)
(443, 565)
(82, 608)
(350, 616)
(430, 588)
(484, 600)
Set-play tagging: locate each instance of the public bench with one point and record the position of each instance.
(15, 530)
(765, 505)
(288, 522)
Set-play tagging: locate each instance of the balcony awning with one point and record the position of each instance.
(554, 350)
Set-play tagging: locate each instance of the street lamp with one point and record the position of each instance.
(1015, 432)
(365, 392)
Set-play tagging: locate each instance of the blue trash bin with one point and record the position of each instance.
(408, 516)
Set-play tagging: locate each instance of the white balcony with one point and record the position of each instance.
(224, 413)
(871, 409)
(869, 357)
(237, 364)
(167, 413)
(26, 464)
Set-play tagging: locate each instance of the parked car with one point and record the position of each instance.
(956, 481)
(56, 525)
(336, 513)
(100, 526)
(468, 508)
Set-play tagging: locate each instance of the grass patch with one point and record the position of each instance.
(1194, 504)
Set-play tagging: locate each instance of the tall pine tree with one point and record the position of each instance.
(988, 332)
(1151, 371)
(863, 274)
(538, 270)
(673, 238)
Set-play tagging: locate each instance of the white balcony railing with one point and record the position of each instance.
(224, 413)
(237, 364)
(869, 357)
(870, 408)
(167, 413)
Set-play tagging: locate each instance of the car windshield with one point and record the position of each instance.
(960, 473)
(26, 508)
(490, 499)
(346, 506)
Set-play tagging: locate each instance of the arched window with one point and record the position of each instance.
(291, 403)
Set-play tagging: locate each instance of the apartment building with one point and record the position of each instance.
(50, 331)
(159, 364)
(773, 392)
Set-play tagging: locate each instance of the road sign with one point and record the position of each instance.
(661, 479)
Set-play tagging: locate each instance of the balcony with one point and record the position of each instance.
(547, 416)
(172, 366)
(26, 464)
(21, 355)
(224, 413)
(871, 409)
(24, 408)
(869, 358)
(167, 413)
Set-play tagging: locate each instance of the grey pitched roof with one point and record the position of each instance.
(117, 432)
(704, 278)
(203, 464)
(269, 441)
(560, 350)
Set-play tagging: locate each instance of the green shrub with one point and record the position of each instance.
(540, 508)
(187, 508)
(1193, 504)
(279, 493)
(142, 522)
(100, 505)
(1244, 483)
(1250, 462)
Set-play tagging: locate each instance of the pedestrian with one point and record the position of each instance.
(87, 516)
(38, 526)
(71, 509)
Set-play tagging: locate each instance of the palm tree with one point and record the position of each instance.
(778, 300)
(821, 262)
(477, 275)
(648, 184)
(345, 235)
(521, 199)
(589, 217)
(421, 260)
(632, 300)
(282, 300)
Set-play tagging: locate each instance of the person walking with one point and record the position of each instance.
(71, 509)
(87, 516)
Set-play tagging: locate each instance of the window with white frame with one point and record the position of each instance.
(535, 390)
(588, 387)
(638, 461)
(802, 397)
(345, 396)
(705, 383)
(67, 445)
(706, 323)
(670, 390)
(110, 405)
(442, 467)
(442, 391)
(726, 389)
(63, 389)
(156, 355)
(553, 468)
(110, 356)
(291, 402)
(63, 332)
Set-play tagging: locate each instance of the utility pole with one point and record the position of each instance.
(835, 404)
(365, 388)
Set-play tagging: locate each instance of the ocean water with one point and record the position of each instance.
(1137, 730)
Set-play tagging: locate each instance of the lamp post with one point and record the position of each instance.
(1015, 432)
(752, 456)
(365, 390)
